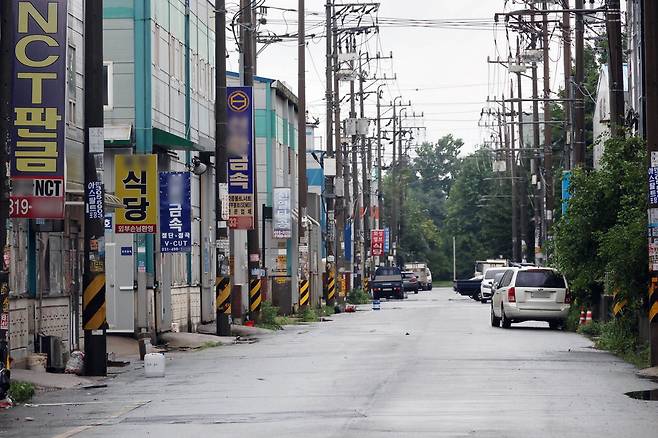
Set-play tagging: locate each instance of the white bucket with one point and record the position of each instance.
(175, 328)
(154, 365)
(37, 362)
(376, 305)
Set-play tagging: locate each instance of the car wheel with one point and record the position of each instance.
(416, 290)
(484, 301)
(495, 321)
(505, 322)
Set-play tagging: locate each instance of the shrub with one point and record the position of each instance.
(269, 316)
(308, 314)
(21, 392)
(593, 329)
(358, 296)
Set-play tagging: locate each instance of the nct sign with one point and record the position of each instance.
(38, 108)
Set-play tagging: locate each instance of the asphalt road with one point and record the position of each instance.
(430, 366)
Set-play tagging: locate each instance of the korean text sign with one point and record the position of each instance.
(38, 107)
(240, 149)
(377, 243)
(136, 185)
(282, 213)
(175, 212)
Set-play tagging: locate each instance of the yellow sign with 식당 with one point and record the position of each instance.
(136, 185)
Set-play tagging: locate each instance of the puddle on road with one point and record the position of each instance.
(651, 395)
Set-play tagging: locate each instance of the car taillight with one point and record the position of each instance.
(511, 295)
(567, 297)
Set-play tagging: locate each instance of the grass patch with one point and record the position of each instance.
(21, 392)
(327, 310)
(209, 344)
(269, 317)
(308, 314)
(358, 296)
(442, 283)
(619, 337)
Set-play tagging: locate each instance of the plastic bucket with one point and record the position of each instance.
(154, 365)
(376, 305)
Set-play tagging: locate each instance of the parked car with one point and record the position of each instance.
(422, 272)
(387, 283)
(531, 294)
(485, 288)
(469, 288)
(410, 282)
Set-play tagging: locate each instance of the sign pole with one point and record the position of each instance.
(93, 302)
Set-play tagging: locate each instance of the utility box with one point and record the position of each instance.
(282, 294)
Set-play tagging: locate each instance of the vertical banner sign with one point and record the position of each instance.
(136, 185)
(282, 214)
(377, 243)
(38, 106)
(239, 146)
(175, 212)
(387, 240)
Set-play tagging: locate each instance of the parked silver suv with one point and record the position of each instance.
(531, 294)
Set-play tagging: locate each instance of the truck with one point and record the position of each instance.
(482, 265)
(422, 272)
(387, 283)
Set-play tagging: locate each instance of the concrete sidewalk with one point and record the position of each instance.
(51, 380)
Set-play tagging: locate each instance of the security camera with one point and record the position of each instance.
(198, 168)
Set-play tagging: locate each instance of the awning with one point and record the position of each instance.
(171, 141)
(118, 135)
(112, 202)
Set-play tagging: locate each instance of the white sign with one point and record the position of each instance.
(282, 213)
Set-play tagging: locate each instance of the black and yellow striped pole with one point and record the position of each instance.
(653, 300)
(331, 288)
(94, 321)
(304, 293)
(223, 305)
(255, 298)
(618, 304)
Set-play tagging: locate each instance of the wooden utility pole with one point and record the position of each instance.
(534, 163)
(523, 192)
(651, 93)
(510, 145)
(615, 68)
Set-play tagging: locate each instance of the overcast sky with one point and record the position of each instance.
(443, 71)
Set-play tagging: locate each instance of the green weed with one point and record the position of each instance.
(21, 392)
(358, 296)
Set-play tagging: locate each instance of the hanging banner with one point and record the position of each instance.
(387, 240)
(136, 185)
(240, 149)
(175, 212)
(377, 243)
(282, 213)
(38, 106)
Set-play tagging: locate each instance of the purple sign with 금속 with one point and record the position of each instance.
(175, 212)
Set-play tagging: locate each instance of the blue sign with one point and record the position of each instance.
(348, 241)
(387, 239)
(175, 212)
(126, 250)
(240, 149)
(566, 193)
(95, 198)
(108, 222)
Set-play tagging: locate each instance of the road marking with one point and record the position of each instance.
(79, 429)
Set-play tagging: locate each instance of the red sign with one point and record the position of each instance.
(377, 243)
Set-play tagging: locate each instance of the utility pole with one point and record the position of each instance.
(651, 93)
(339, 203)
(548, 132)
(615, 67)
(566, 38)
(365, 180)
(330, 295)
(94, 319)
(6, 60)
(355, 210)
(510, 145)
(578, 94)
(380, 197)
(523, 195)
(534, 164)
(222, 248)
(302, 185)
(253, 246)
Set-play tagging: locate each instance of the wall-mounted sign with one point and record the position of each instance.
(387, 240)
(377, 243)
(38, 107)
(282, 213)
(136, 185)
(175, 212)
(240, 148)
